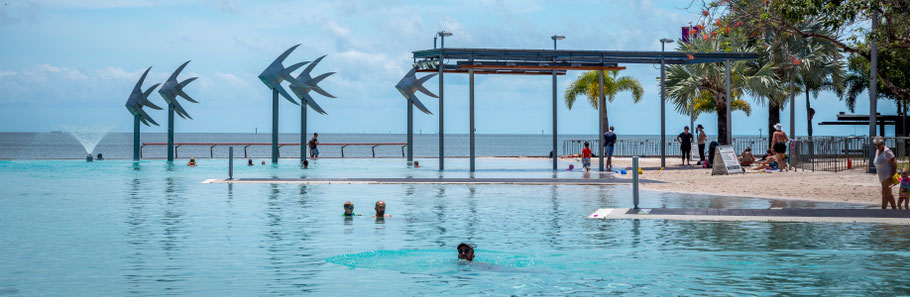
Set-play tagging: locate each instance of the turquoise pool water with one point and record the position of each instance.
(73, 228)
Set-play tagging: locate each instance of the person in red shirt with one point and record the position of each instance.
(586, 157)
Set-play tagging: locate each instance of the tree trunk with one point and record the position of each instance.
(722, 123)
(808, 115)
(773, 118)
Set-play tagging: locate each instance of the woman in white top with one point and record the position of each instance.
(886, 167)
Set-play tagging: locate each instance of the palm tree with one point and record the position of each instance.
(857, 81)
(818, 64)
(589, 85)
(698, 88)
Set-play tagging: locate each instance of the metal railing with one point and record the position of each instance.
(650, 147)
(834, 153)
(246, 145)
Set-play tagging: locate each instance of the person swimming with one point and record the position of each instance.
(465, 252)
(249, 162)
(348, 209)
(416, 164)
(380, 210)
(191, 163)
(306, 164)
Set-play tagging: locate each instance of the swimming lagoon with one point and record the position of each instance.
(151, 229)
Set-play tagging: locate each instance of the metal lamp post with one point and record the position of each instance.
(663, 105)
(555, 153)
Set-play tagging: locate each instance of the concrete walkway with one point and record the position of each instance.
(424, 180)
(885, 216)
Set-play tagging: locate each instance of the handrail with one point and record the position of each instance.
(245, 145)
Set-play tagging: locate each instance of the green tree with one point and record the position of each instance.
(698, 88)
(588, 84)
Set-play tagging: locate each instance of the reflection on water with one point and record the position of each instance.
(110, 228)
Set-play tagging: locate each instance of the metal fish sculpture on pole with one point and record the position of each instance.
(307, 100)
(272, 77)
(170, 91)
(408, 87)
(134, 104)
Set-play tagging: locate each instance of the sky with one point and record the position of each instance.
(74, 63)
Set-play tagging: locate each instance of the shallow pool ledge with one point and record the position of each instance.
(415, 180)
(807, 215)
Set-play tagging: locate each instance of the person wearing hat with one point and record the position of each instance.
(779, 140)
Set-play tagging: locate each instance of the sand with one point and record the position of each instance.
(854, 186)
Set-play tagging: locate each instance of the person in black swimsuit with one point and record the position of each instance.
(685, 145)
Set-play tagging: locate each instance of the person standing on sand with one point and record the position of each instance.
(780, 146)
(885, 166)
(609, 142)
(701, 143)
(685, 145)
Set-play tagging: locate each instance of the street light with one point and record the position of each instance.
(663, 106)
(442, 35)
(555, 38)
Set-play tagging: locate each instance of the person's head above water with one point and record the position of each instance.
(306, 164)
(348, 208)
(380, 209)
(465, 252)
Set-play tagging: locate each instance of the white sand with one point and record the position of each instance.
(853, 186)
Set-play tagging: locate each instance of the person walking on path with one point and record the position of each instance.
(885, 166)
(779, 140)
(685, 145)
(586, 157)
(701, 143)
(313, 143)
(609, 142)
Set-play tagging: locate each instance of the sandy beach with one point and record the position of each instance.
(853, 186)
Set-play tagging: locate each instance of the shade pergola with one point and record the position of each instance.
(554, 62)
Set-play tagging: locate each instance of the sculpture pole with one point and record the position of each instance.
(274, 126)
(303, 144)
(135, 138)
(410, 132)
(170, 133)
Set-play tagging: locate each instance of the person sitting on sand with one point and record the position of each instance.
(746, 159)
(348, 209)
(192, 162)
(465, 252)
(770, 162)
(380, 210)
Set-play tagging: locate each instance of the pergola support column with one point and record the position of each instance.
(729, 104)
(441, 130)
(471, 115)
(555, 152)
(663, 114)
(601, 114)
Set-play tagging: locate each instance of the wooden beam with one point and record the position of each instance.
(541, 67)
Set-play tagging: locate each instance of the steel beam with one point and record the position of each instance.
(136, 138)
(555, 152)
(873, 93)
(303, 144)
(410, 132)
(170, 133)
(663, 113)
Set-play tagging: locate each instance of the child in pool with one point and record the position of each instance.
(191, 163)
(348, 209)
(904, 191)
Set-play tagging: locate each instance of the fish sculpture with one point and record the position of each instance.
(311, 85)
(138, 99)
(173, 89)
(276, 73)
(410, 84)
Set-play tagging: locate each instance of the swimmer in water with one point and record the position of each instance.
(306, 164)
(348, 209)
(465, 252)
(416, 164)
(192, 162)
(380, 210)
(263, 162)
